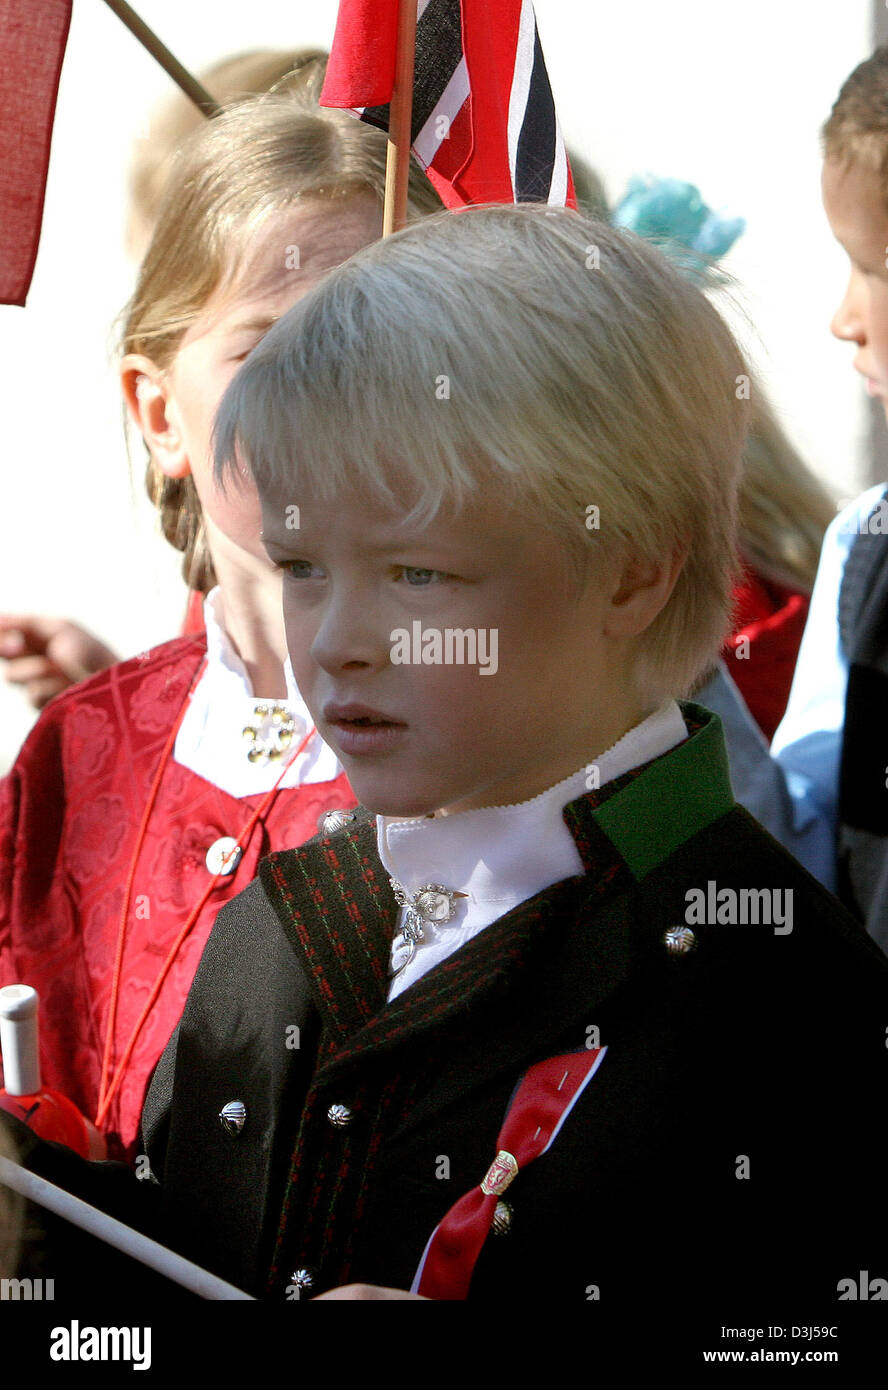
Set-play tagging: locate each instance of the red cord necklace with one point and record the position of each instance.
(108, 1090)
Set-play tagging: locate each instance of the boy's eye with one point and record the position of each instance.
(420, 578)
(297, 569)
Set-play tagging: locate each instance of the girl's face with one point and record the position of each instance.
(290, 255)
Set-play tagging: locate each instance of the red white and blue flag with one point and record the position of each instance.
(483, 118)
(33, 34)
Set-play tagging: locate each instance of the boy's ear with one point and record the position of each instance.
(642, 590)
(148, 401)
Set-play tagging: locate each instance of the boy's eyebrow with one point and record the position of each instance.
(292, 542)
(296, 541)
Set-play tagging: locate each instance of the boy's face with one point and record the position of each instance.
(858, 216)
(450, 737)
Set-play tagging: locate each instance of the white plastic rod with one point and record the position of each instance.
(18, 1040)
(104, 1227)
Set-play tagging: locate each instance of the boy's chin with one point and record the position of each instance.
(391, 800)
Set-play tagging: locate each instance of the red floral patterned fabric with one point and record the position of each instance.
(70, 811)
(762, 651)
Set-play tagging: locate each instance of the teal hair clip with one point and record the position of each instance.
(674, 215)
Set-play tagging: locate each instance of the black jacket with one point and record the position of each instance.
(728, 1149)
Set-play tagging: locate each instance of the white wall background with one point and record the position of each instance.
(729, 97)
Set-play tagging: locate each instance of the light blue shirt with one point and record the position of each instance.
(794, 791)
(808, 740)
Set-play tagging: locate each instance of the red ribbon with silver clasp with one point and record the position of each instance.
(540, 1105)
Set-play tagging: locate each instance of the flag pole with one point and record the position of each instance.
(104, 1227)
(171, 65)
(397, 161)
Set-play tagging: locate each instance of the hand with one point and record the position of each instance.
(359, 1292)
(46, 655)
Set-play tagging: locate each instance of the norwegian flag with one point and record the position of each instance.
(483, 120)
(33, 34)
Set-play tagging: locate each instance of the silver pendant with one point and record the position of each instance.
(431, 903)
(403, 951)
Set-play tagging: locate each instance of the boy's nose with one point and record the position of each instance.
(345, 641)
(849, 321)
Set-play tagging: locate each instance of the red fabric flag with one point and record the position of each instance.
(483, 123)
(33, 34)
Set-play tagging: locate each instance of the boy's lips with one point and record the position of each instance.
(360, 729)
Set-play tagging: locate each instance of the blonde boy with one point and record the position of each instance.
(544, 1019)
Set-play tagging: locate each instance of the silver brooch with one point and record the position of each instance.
(331, 821)
(233, 1117)
(432, 903)
(679, 940)
(272, 733)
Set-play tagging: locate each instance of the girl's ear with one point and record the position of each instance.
(148, 400)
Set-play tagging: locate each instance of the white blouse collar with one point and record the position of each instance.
(211, 742)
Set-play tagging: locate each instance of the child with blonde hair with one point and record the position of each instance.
(144, 798)
(555, 991)
(244, 74)
(45, 654)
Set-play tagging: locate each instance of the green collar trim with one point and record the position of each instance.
(675, 798)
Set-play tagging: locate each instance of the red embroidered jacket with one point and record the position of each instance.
(70, 811)
(762, 650)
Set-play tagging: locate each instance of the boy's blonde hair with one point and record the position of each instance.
(856, 130)
(564, 362)
(255, 159)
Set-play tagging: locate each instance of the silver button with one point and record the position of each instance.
(502, 1218)
(331, 821)
(679, 940)
(339, 1116)
(224, 855)
(233, 1117)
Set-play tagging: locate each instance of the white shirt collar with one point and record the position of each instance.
(502, 855)
(494, 847)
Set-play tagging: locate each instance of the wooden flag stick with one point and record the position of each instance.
(397, 160)
(104, 1227)
(171, 65)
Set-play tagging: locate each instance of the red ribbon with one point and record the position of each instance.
(539, 1107)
